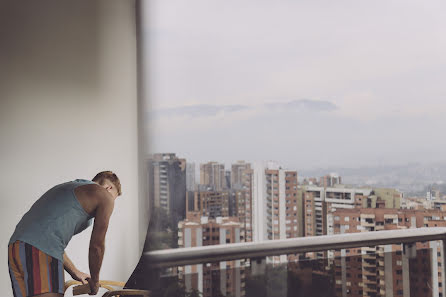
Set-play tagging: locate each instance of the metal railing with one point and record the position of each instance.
(235, 251)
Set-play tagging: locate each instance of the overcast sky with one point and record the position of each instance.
(306, 83)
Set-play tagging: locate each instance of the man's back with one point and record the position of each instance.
(54, 219)
(36, 257)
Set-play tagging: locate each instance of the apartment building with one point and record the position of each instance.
(264, 200)
(190, 177)
(208, 203)
(388, 270)
(330, 180)
(275, 203)
(212, 175)
(238, 174)
(227, 183)
(226, 203)
(167, 180)
(213, 279)
(319, 203)
(244, 178)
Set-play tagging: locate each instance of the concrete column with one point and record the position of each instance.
(388, 270)
(433, 245)
(409, 251)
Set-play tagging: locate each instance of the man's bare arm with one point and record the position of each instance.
(97, 241)
(68, 265)
(75, 273)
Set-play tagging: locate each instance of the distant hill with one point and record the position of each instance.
(412, 178)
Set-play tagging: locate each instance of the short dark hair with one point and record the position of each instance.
(104, 175)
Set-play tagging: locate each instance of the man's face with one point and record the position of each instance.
(111, 188)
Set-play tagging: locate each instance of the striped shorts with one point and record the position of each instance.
(33, 272)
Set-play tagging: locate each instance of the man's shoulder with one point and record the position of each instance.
(91, 191)
(92, 196)
(90, 188)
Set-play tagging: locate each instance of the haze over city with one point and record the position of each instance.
(308, 84)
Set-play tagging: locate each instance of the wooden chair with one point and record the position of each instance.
(114, 289)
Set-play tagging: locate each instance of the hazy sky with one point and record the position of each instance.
(306, 83)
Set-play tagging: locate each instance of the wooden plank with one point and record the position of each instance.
(81, 289)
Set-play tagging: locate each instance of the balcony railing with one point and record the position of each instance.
(343, 265)
(227, 252)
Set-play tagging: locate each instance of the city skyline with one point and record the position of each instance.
(258, 202)
(413, 179)
(338, 84)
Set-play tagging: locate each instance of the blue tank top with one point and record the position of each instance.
(53, 220)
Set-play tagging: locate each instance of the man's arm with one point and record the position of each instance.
(73, 271)
(97, 241)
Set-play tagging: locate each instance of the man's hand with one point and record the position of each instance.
(80, 276)
(73, 271)
(94, 286)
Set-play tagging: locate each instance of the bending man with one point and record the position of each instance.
(36, 256)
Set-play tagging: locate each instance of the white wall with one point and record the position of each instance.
(69, 109)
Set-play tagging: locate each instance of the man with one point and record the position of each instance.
(36, 256)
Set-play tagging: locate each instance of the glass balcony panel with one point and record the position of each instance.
(393, 270)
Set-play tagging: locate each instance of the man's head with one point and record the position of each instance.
(109, 181)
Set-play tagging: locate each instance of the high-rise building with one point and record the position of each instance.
(242, 196)
(210, 204)
(310, 181)
(212, 175)
(321, 202)
(330, 180)
(275, 202)
(241, 184)
(238, 170)
(216, 279)
(244, 213)
(227, 184)
(226, 203)
(167, 174)
(379, 271)
(190, 177)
